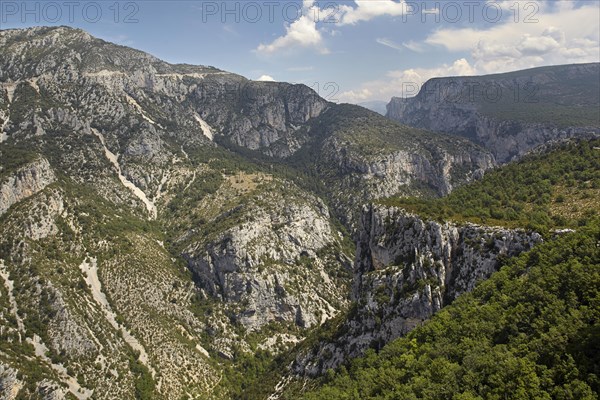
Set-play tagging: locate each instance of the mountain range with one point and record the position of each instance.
(174, 231)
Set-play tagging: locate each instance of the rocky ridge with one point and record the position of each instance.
(361, 156)
(167, 99)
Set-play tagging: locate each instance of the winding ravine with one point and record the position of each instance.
(89, 267)
(126, 182)
(39, 347)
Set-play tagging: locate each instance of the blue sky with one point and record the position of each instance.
(350, 51)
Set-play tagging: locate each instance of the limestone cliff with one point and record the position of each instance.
(194, 103)
(281, 263)
(406, 269)
(509, 114)
(361, 156)
(26, 181)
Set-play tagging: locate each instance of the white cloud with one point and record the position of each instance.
(266, 78)
(366, 10)
(304, 32)
(357, 96)
(537, 45)
(414, 46)
(301, 33)
(564, 34)
(388, 43)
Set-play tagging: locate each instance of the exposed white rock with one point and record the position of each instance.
(257, 268)
(206, 129)
(10, 90)
(181, 76)
(191, 181)
(5, 117)
(139, 108)
(10, 384)
(89, 268)
(159, 191)
(10, 286)
(27, 181)
(279, 388)
(279, 338)
(103, 74)
(75, 388)
(193, 75)
(33, 82)
(187, 157)
(152, 210)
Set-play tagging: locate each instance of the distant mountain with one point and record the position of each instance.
(509, 114)
(379, 106)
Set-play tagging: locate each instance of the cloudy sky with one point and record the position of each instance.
(349, 51)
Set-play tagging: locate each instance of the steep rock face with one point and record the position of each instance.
(55, 265)
(27, 181)
(9, 383)
(260, 115)
(455, 256)
(509, 114)
(388, 174)
(143, 110)
(279, 265)
(363, 156)
(406, 269)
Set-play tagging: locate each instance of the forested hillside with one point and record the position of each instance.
(543, 191)
(529, 332)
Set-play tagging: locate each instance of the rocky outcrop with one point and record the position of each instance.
(509, 114)
(26, 181)
(392, 173)
(406, 269)
(259, 115)
(364, 156)
(67, 334)
(10, 385)
(273, 268)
